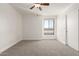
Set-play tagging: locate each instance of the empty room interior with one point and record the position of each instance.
(39, 29)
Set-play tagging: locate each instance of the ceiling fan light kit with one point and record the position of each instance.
(39, 5)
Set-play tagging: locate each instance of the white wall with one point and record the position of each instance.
(72, 27)
(61, 28)
(10, 27)
(72, 20)
(32, 27)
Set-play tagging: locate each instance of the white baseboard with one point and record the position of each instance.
(32, 39)
(68, 45)
(61, 41)
(73, 47)
(3, 49)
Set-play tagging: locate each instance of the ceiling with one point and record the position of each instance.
(52, 9)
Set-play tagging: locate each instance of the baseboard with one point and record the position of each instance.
(67, 45)
(48, 39)
(3, 49)
(39, 38)
(32, 39)
(73, 48)
(61, 41)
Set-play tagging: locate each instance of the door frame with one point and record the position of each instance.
(66, 30)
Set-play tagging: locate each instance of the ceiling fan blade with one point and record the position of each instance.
(45, 4)
(40, 8)
(32, 7)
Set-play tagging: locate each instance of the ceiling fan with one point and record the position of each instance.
(39, 5)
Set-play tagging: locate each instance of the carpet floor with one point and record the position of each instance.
(40, 48)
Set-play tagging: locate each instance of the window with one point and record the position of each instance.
(48, 23)
(49, 26)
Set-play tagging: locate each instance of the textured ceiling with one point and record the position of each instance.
(52, 9)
